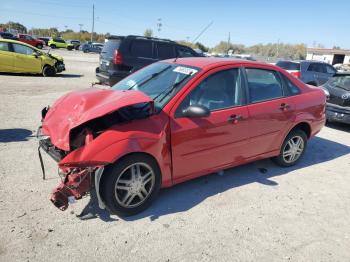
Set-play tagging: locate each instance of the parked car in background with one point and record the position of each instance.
(6, 35)
(91, 47)
(19, 57)
(123, 55)
(310, 72)
(173, 121)
(338, 98)
(60, 43)
(342, 67)
(75, 43)
(31, 40)
(45, 39)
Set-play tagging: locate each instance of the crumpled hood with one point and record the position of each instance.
(57, 57)
(78, 107)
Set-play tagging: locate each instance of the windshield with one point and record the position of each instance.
(160, 81)
(342, 82)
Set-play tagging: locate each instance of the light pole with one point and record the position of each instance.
(80, 27)
(159, 26)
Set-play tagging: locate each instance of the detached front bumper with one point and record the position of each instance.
(75, 182)
(336, 113)
(60, 67)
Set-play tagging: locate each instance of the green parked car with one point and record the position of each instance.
(59, 43)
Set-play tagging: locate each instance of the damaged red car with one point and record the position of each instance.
(173, 121)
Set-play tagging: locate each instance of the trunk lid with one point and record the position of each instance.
(78, 107)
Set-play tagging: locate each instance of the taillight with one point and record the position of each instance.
(296, 74)
(117, 58)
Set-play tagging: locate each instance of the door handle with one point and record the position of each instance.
(234, 119)
(284, 107)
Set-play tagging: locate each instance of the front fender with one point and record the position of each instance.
(97, 154)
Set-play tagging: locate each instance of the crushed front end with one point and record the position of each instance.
(76, 182)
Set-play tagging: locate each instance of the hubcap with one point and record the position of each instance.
(293, 149)
(134, 185)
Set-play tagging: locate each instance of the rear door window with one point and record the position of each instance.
(109, 47)
(292, 88)
(165, 51)
(316, 67)
(263, 85)
(141, 48)
(4, 46)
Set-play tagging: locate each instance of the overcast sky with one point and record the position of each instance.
(249, 22)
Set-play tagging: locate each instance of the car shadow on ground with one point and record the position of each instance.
(58, 75)
(339, 126)
(15, 135)
(185, 196)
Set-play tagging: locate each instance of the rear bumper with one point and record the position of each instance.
(110, 77)
(337, 113)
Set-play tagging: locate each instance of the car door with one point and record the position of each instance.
(271, 110)
(203, 145)
(6, 57)
(25, 60)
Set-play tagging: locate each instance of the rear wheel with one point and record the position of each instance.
(130, 185)
(292, 149)
(70, 48)
(40, 46)
(49, 70)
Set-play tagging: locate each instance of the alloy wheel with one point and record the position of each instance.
(134, 185)
(293, 149)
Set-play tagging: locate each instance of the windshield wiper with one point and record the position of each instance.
(170, 89)
(150, 78)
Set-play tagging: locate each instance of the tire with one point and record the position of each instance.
(286, 160)
(49, 71)
(39, 46)
(70, 48)
(53, 46)
(121, 193)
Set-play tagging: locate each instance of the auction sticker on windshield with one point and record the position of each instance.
(185, 70)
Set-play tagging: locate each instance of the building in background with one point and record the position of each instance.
(330, 56)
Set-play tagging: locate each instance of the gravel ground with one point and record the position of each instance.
(257, 212)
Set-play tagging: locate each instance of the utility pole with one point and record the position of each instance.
(80, 27)
(278, 46)
(159, 26)
(93, 21)
(228, 42)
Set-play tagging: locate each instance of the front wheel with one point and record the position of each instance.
(130, 185)
(53, 46)
(292, 149)
(49, 71)
(40, 46)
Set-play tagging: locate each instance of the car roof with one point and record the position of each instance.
(17, 42)
(202, 62)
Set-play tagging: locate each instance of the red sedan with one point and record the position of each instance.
(173, 121)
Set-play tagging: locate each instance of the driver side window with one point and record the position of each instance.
(218, 91)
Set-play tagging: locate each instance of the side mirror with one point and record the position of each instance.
(36, 55)
(196, 111)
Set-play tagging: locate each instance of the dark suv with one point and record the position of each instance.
(123, 55)
(310, 72)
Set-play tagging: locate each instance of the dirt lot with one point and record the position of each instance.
(258, 212)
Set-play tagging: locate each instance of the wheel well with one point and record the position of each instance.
(304, 127)
(312, 83)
